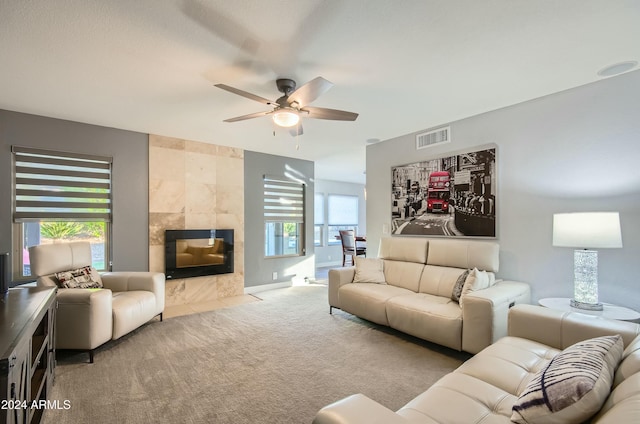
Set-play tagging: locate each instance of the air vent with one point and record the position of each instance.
(431, 138)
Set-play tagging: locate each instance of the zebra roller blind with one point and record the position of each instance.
(55, 186)
(283, 200)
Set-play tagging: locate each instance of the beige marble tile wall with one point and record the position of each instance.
(195, 185)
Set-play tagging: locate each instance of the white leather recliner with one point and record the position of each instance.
(87, 318)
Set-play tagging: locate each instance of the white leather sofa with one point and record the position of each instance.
(485, 388)
(87, 318)
(420, 275)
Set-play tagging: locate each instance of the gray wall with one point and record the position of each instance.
(258, 269)
(130, 154)
(572, 151)
(332, 255)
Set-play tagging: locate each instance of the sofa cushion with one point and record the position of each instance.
(404, 249)
(464, 254)
(81, 278)
(131, 309)
(403, 274)
(48, 259)
(368, 301)
(622, 405)
(574, 386)
(434, 318)
(439, 280)
(518, 360)
(369, 270)
(460, 398)
(630, 363)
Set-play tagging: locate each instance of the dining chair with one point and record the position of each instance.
(349, 246)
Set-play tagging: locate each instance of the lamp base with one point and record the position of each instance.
(586, 306)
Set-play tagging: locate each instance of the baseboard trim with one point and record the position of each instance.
(265, 287)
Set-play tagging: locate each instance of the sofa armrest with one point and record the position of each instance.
(562, 329)
(83, 318)
(129, 281)
(484, 313)
(357, 409)
(337, 278)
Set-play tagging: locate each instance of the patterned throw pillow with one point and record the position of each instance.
(573, 386)
(457, 287)
(369, 270)
(82, 278)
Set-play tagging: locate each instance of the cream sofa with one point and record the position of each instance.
(420, 275)
(87, 318)
(485, 388)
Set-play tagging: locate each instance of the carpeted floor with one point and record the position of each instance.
(278, 360)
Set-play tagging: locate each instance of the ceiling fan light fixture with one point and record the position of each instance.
(285, 118)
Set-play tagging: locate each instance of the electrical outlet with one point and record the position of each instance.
(274, 275)
(329, 257)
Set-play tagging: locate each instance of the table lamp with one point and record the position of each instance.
(586, 231)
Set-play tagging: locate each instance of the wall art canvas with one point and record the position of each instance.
(452, 196)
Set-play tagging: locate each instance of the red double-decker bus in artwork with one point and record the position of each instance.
(438, 191)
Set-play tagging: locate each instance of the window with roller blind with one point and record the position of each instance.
(342, 212)
(284, 212)
(60, 197)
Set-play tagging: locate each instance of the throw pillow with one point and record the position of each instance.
(457, 287)
(369, 270)
(573, 386)
(82, 278)
(476, 280)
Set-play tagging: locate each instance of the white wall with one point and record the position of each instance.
(332, 255)
(576, 150)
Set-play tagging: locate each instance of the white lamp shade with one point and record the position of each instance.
(285, 118)
(587, 230)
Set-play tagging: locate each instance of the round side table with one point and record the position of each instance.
(610, 311)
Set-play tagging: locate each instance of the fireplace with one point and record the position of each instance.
(196, 253)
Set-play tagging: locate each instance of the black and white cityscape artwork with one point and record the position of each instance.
(452, 196)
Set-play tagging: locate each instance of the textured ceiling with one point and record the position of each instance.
(150, 65)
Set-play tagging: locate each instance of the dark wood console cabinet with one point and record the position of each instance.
(27, 349)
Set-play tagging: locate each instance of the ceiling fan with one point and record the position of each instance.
(288, 109)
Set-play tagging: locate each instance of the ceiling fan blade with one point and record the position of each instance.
(332, 114)
(310, 91)
(249, 116)
(246, 94)
(297, 130)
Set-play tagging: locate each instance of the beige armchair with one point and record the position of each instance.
(87, 318)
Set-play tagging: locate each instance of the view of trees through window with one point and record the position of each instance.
(35, 233)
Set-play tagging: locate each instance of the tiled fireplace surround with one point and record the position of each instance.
(195, 185)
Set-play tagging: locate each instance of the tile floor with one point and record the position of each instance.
(193, 308)
(321, 276)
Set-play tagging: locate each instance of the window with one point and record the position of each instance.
(318, 219)
(343, 215)
(60, 197)
(284, 209)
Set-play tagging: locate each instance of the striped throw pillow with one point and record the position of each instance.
(573, 386)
